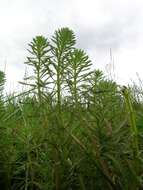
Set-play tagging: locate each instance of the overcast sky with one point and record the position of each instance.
(98, 24)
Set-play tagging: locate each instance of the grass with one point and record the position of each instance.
(73, 128)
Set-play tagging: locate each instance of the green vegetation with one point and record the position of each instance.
(73, 129)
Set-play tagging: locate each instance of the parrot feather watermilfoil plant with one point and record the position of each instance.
(63, 42)
(70, 130)
(78, 70)
(39, 50)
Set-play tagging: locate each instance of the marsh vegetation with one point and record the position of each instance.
(72, 129)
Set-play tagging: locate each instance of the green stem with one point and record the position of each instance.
(134, 130)
(82, 185)
(38, 80)
(59, 87)
(57, 170)
(75, 88)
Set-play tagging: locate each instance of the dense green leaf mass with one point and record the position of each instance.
(72, 128)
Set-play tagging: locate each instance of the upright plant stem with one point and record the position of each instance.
(38, 80)
(75, 88)
(134, 130)
(56, 157)
(58, 88)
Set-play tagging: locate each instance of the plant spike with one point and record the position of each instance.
(39, 49)
(78, 71)
(63, 43)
